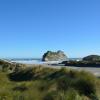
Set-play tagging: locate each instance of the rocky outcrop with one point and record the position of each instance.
(81, 63)
(54, 56)
(92, 58)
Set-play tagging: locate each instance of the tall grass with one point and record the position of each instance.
(40, 83)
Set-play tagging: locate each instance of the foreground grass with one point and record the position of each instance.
(41, 83)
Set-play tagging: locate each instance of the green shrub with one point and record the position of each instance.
(82, 81)
(49, 96)
(64, 83)
(22, 75)
(63, 70)
(20, 88)
(85, 87)
(71, 94)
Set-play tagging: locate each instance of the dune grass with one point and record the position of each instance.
(40, 83)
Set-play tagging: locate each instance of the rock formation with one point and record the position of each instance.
(54, 56)
(92, 58)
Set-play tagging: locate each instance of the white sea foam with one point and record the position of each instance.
(35, 62)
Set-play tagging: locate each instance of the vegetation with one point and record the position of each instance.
(42, 83)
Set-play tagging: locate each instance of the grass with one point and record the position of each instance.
(40, 83)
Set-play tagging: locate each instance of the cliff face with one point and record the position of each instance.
(54, 56)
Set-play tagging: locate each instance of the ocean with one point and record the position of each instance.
(35, 60)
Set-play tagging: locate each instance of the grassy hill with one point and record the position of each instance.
(40, 83)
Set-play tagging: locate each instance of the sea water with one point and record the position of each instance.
(36, 60)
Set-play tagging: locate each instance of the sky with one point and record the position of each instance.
(28, 28)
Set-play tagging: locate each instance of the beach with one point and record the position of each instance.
(55, 64)
(93, 70)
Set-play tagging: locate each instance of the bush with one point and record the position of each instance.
(20, 88)
(83, 82)
(22, 75)
(71, 94)
(85, 87)
(64, 83)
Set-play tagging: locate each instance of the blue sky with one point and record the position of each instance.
(28, 28)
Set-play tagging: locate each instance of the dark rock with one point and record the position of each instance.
(54, 56)
(82, 63)
(92, 58)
